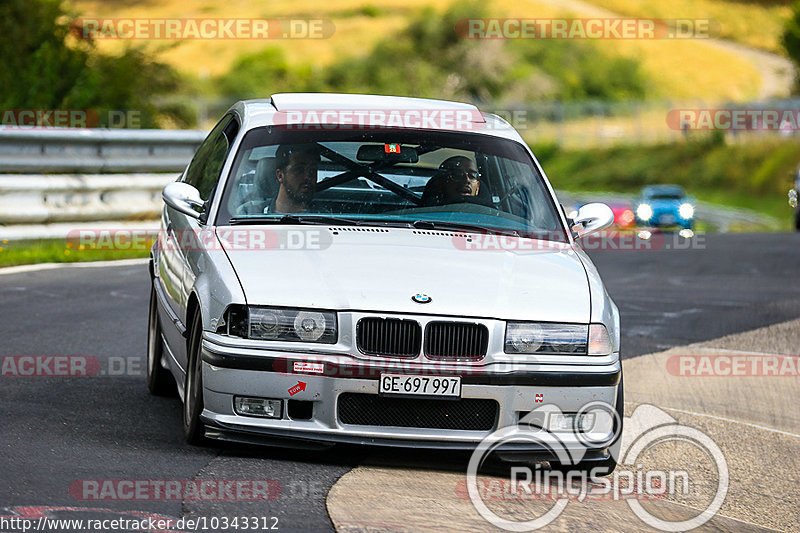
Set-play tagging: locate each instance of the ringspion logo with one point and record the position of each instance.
(597, 425)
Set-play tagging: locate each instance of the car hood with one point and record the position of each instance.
(370, 269)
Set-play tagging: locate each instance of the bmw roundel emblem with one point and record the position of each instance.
(422, 298)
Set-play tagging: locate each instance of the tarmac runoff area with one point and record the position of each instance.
(739, 390)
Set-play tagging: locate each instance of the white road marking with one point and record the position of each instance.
(726, 419)
(743, 352)
(87, 264)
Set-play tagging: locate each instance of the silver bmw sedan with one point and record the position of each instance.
(381, 271)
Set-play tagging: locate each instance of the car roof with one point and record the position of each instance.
(318, 108)
(663, 189)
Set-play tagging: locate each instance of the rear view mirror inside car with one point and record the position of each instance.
(396, 153)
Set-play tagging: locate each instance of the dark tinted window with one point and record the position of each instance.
(203, 172)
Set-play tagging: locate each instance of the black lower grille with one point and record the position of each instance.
(467, 414)
(389, 336)
(456, 340)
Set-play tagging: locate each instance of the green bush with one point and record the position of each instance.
(266, 72)
(429, 59)
(43, 67)
(756, 168)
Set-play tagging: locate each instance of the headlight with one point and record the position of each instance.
(558, 339)
(310, 326)
(644, 212)
(546, 338)
(686, 211)
(280, 324)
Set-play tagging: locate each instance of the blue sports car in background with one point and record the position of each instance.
(664, 206)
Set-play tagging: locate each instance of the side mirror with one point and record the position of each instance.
(592, 217)
(183, 198)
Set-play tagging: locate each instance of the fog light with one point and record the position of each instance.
(559, 422)
(260, 407)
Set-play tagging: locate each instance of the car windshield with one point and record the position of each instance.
(437, 180)
(664, 193)
(666, 196)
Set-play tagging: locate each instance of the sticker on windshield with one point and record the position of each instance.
(391, 148)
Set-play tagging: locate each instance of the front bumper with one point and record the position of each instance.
(666, 218)
(236, 371)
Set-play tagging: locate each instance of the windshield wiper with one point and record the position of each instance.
(326, 220)
(323, 220)
(320, 220)
(460, 226)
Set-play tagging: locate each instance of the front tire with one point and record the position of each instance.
(193, 427)
(159, 380)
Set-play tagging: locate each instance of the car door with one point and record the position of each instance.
(182, 231)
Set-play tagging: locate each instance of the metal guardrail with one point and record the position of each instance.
(97, 151)
(63, 175)
(39, 199)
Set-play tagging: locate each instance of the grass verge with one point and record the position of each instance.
(27, 252)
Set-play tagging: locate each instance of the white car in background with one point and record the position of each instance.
(429, 292)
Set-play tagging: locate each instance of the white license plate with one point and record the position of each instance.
(405, 385)
(667, 219)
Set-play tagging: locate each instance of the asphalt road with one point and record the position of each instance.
(723, 284)
(60, 431)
